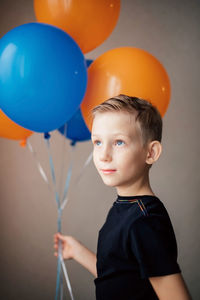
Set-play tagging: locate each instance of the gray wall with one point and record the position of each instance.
(170, 31)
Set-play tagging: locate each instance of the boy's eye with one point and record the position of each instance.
(97, 143)
(119, 143)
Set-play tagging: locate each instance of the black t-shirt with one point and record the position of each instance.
(136, 242)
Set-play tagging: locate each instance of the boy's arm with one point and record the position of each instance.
(86, 258)
(170, 287)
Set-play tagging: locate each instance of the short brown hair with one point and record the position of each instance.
(148, 116)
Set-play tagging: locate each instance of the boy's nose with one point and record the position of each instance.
(105, 154)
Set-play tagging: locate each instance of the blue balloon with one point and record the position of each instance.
(76, 129)
(43, 76)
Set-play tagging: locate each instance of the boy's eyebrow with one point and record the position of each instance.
(119, 133)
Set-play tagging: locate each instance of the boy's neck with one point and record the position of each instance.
(139, 188)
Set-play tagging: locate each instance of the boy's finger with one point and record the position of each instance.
(56, 240)
(56, 235)
(60, 236)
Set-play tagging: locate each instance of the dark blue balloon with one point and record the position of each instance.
(76, 129)
(43, 76)
(88, 62)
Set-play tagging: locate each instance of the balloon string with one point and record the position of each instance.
(66, 276)
(62, 161)
(58, 279)
(61, 286)
(41, 170)
(52, 172)
(88, 160)
(69, 174)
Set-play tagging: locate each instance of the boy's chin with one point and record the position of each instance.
(109, 182)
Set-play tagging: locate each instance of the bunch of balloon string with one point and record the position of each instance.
(61, 199)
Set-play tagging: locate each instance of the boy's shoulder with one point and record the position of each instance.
(152, 217)
(146, 205)
(151, 206)
(145, 210)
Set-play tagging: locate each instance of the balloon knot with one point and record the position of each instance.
(73, 143)
(23, 143)
(47, 135)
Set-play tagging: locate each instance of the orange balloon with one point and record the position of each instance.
(11, 130)
(88, 22)
(129, 71)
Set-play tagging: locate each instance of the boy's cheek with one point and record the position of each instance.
(95, 161)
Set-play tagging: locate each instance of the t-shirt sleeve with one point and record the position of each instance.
(153, 243)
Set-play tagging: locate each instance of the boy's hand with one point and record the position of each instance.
(69, 245)
(73, 249)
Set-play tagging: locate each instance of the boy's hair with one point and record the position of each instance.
(148, 116)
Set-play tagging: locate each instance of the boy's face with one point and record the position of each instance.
(119, 154)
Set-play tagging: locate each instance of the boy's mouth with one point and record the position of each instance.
(108, 171)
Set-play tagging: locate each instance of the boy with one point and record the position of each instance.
(137, 251)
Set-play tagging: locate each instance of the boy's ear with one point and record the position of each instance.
(154, 151)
